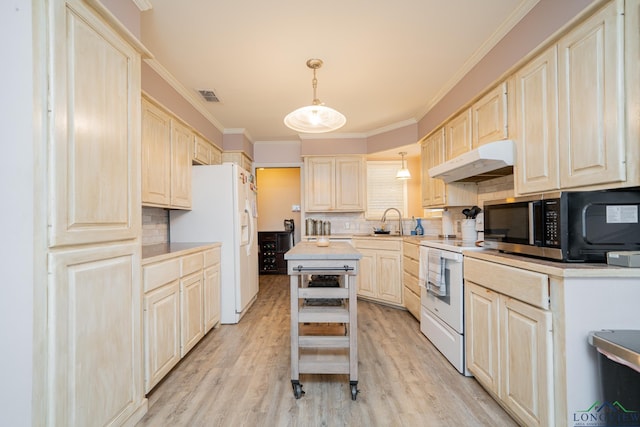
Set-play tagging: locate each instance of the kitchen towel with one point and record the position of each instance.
(435, 274)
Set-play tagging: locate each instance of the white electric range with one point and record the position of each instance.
(442, 297)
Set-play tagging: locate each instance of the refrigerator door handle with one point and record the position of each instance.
(250, 225)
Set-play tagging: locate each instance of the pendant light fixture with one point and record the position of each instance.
(315, 118)
(403, 172)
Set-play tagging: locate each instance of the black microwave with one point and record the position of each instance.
(573, 226)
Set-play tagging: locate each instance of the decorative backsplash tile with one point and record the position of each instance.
(155, 226)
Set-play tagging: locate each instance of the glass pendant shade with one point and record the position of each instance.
(315, 118)
(403, 172)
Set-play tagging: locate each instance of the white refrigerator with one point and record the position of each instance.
(224, 210)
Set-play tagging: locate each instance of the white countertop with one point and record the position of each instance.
(554, 268)
(311, 251)
(161, 251)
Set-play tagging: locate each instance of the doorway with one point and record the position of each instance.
(279, 198)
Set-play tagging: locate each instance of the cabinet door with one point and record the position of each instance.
(536, 114)
(481, 336)
(211, 297)
(350, 184)
(201, 151)
(591, 101)
(432, 152)
(458, 132)
(490, 117)
(366, 277)
(527, 362)
(191, 312)
(95, 364)
(161, 332)
(181, 142)
(389, 277)
(319, 183)
(94, 152)
(156, 156)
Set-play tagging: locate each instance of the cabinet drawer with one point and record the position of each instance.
(156, 275)
(192, 263)
(378, 243)
(412, 302)
(211, 257)
(411, 282)
(411, 266)
(527, 286)
(410, 250)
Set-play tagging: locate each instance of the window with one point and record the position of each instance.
(384, 190)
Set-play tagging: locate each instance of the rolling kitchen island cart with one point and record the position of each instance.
(323, 354)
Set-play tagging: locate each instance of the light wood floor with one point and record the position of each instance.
(239, 375)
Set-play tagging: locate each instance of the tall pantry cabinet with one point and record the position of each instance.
(91, 370)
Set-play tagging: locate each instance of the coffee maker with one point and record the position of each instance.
(288, 225)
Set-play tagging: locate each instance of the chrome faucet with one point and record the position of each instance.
(384, 218)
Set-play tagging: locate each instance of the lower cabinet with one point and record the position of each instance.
(380, 276)
(509, 343)
(181, 304)
(411, 267)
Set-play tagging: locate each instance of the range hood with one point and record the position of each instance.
(488, 161)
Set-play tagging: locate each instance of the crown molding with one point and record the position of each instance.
(143, 5)
(187, 94)
(498, 34)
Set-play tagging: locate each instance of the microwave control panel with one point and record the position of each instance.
(552, 223)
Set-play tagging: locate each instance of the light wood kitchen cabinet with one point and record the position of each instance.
(411, 268)
(88, 365)
(181, 143)
(156, 155)
(167, 149)
(509, 341)
(334, 183)
(204, 152)
(435, 193)
(191, 312)
(239, 158)
(181, 304)
(458, 135)
(591, 89)
(211, 288)
(537, 159)
(161, 331)
(380, 275)
(490, 117)
(571, 109)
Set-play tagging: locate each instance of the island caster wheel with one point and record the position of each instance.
(297, 389)
(354, 389)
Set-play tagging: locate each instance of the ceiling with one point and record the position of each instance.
(385, 62)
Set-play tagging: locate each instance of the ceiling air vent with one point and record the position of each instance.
(208, 95)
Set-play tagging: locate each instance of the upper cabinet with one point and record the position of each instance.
(536, 115)
(489, 115)
(204, 152)
(571, 108)
(435, 193)
(458, 135)
(167, 149)
(590, 100)
(334, 183)
(239, 158)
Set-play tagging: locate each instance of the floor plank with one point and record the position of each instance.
(239, 375)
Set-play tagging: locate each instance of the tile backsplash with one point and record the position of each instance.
(155, 226)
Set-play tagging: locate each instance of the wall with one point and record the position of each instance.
(17, 174)
(168, 97)
(278, 190)
(545, 19)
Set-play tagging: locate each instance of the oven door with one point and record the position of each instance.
(448, 307)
